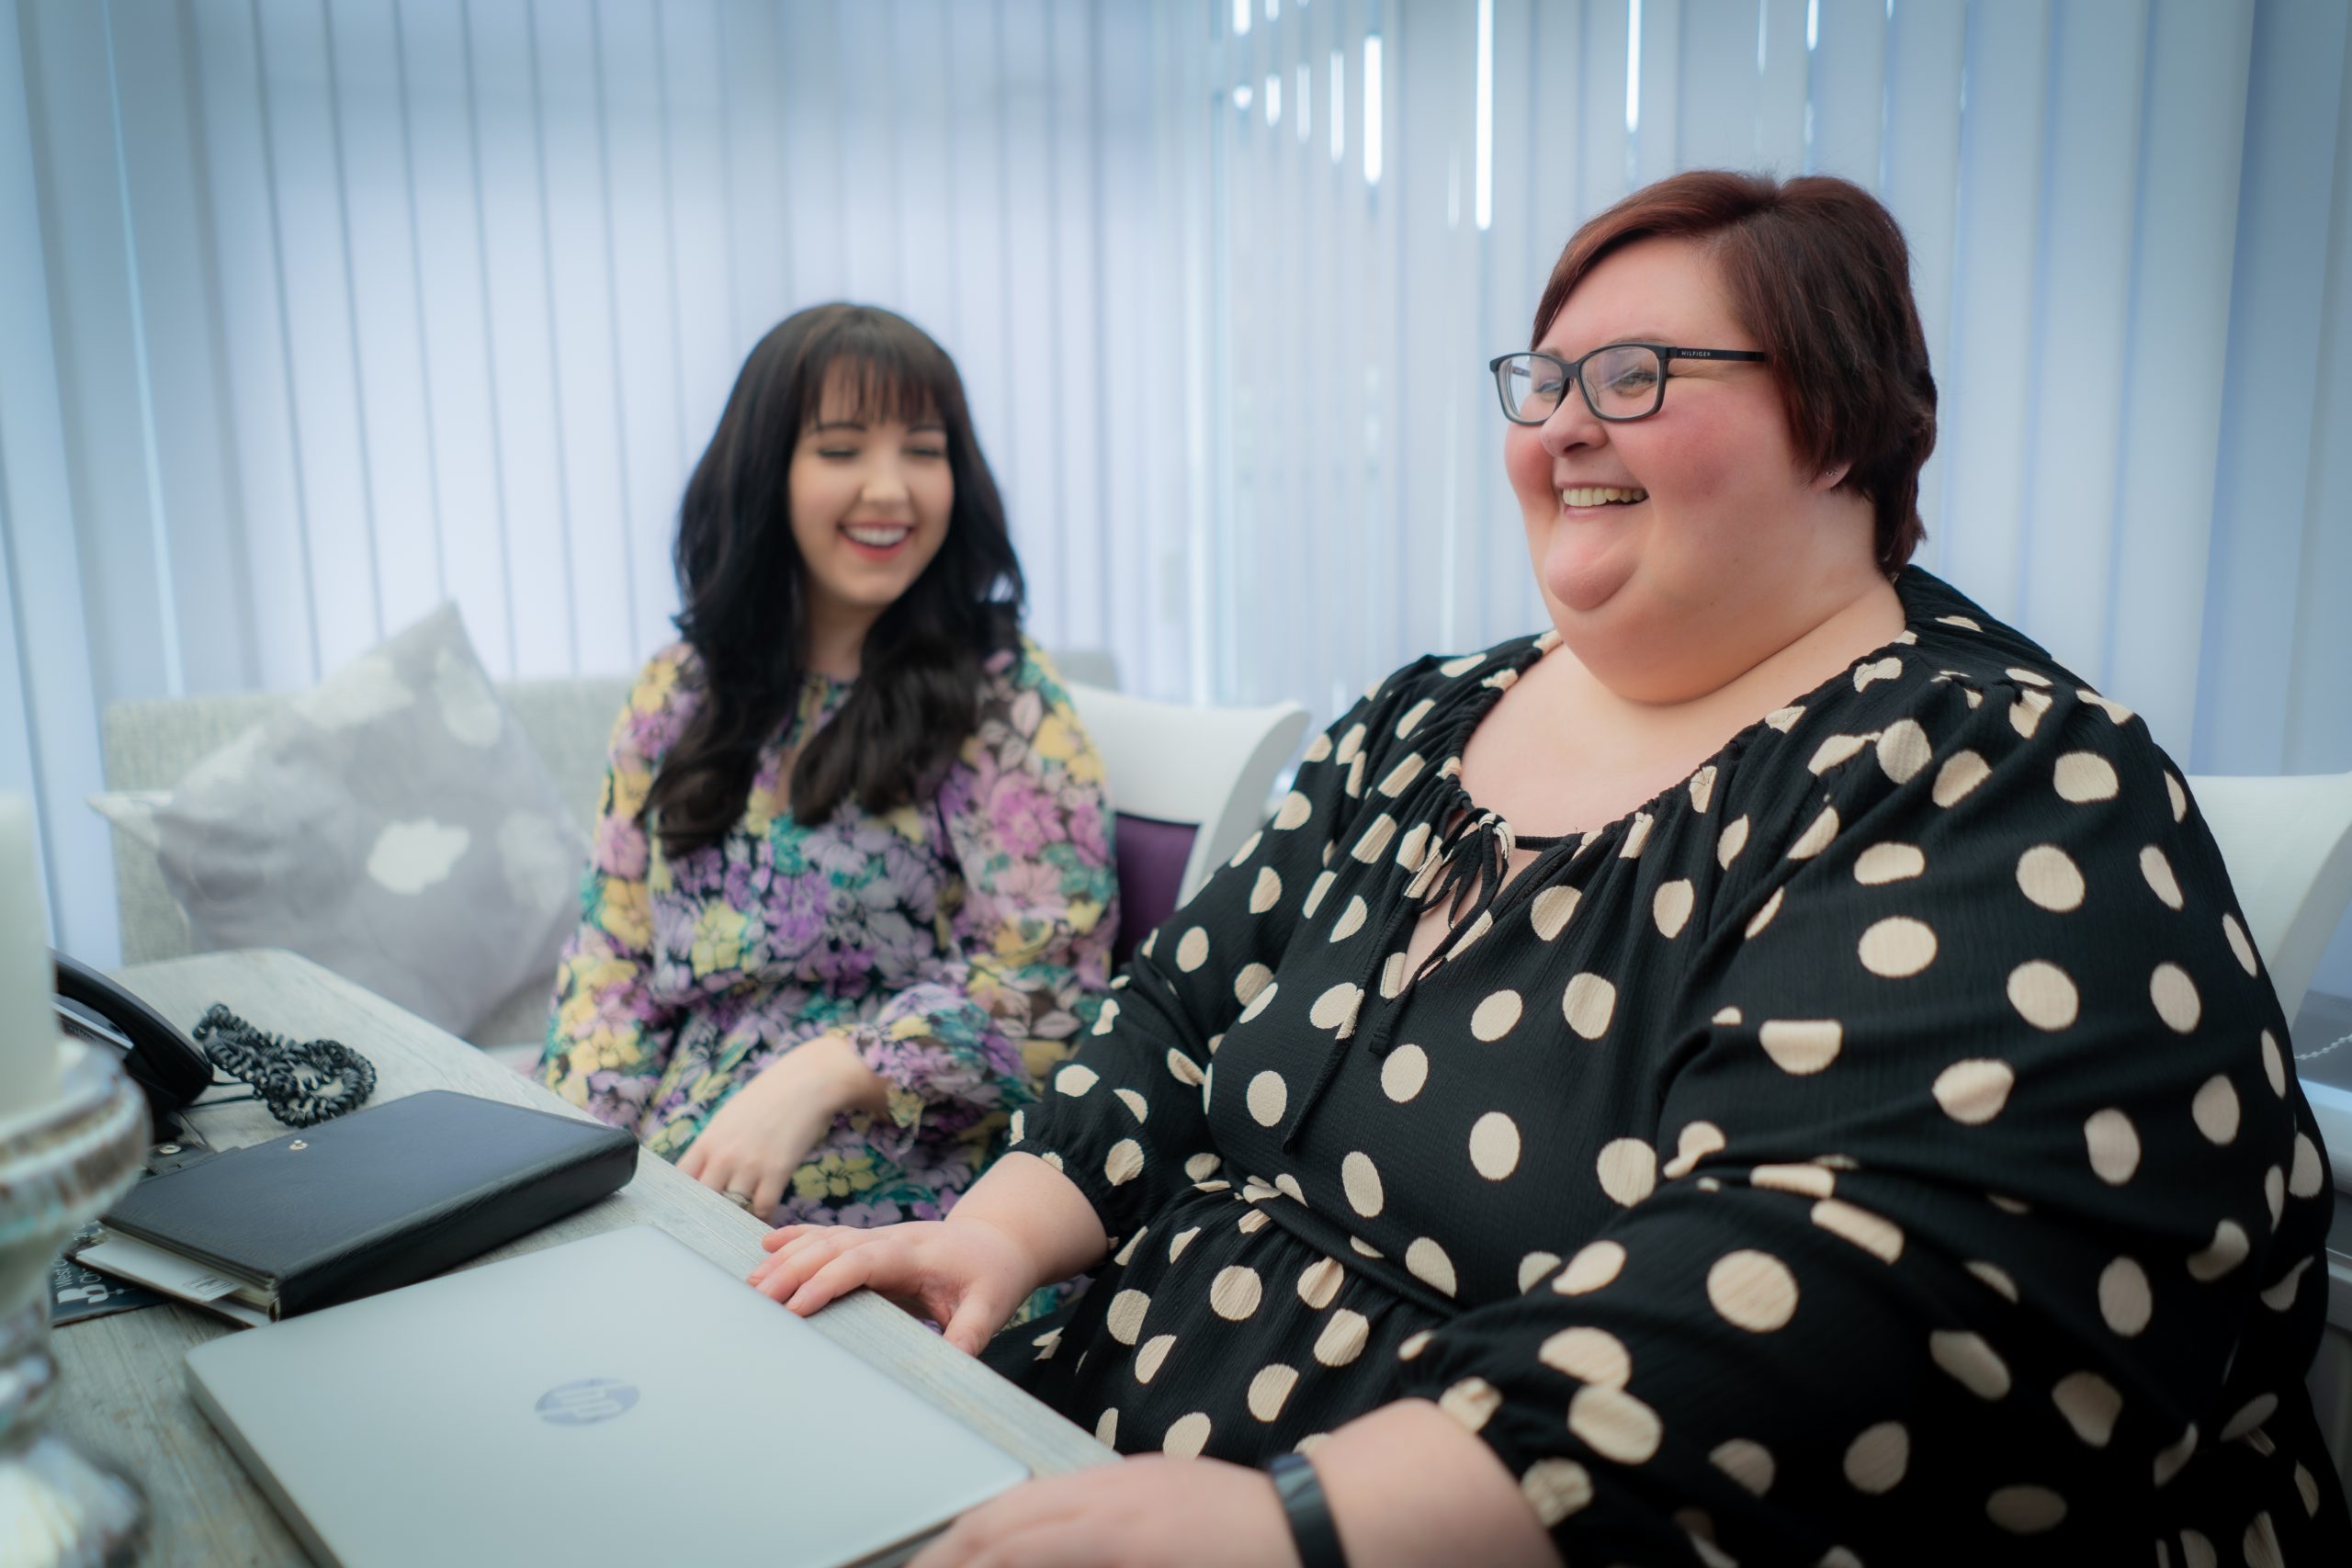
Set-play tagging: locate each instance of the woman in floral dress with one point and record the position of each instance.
(852, 886)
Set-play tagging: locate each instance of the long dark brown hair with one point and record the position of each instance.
(743, 586)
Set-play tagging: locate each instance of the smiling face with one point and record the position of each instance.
(1677, 551)
(871, 492)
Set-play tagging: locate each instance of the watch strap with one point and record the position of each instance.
(1301, 1495)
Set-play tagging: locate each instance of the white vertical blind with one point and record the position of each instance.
(319, 311)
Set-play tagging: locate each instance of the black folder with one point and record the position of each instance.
(375, 1200)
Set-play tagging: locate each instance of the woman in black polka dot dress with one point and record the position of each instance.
(1770, 1071)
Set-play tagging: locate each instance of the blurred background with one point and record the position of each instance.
(316, 313)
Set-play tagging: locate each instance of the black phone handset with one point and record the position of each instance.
(160, 1059)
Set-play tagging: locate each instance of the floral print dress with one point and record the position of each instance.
(961, 942)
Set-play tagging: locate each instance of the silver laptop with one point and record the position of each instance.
(618, 1400)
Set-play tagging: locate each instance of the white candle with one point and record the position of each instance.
(28, 1031)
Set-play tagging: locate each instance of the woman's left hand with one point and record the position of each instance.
(1146, 1511)
(755, 1142)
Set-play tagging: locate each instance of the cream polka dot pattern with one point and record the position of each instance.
(1350, 920)
(1747, 1462)
(1269, 1389)
(2229, 1247)
(1877, 1461)
(2157, 871)
(1817, 836)
(1536, 1267)
(1970, 1363)
(1266, 892)
(2090, 1404)
(1973, 1092)
(1670, 908)
(1589, 1355)
(1593, 1267)
(1124, 1163)
(2175, 995)
(2026, 1510)
(2083, 777)
(1898, 947)
(1236, 1293)
(1550, 911)
(1587, 1003)
(2049, 877)
(1763, 916)
(1628, 1170)
(1344, 1335)
(1903, 751)
(1494, 1145)
(1882, 864)
(1473, 1402)
(1404, 1074)
(1962, 772)
(1360, 1179)
(1427, 1262)
(1801, 1047)
(1752, 1290)
(2241, 948)
(1872, 1233)
(2114, 1145)
(1187, 1436)
(1154, 1353)
(1733, 839)
(2043, 995)
(2124, 1299)
(1556, 1488)
(1125, 1319)
(1698, 1140)
(1192, 950)
(1336, 1008)
(1267, 1096)
(1615, 1425)
(1495, 1017)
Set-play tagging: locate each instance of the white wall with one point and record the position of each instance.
(313, 314)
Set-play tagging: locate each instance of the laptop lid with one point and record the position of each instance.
(619, 1399)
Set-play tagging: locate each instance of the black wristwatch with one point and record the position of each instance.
(1310, 1516)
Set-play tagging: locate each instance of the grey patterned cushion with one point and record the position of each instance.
(393, 824)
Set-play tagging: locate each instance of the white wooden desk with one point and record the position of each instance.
(123, 1393)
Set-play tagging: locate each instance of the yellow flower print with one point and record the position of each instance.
(1059, 740)
(719, 941)
(832, 1175)
(652, 694)
(627, 916)
(631, 785)
(603, 1048)
(1083, 915)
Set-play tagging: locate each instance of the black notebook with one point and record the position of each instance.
(375, 1200)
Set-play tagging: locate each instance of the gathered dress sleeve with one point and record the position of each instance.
(1127, 1119)
(1981, 1155)
(1025, 946)
(609, 1038)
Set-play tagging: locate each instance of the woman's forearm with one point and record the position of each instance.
(1040, 1209)
(1408, 1486)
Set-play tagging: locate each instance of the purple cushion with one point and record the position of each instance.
(1151, 855)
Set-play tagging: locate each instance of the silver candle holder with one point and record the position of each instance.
(62, 1164)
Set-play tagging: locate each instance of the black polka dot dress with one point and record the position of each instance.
(1880, 1148)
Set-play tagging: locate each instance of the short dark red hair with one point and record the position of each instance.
(1820, 275)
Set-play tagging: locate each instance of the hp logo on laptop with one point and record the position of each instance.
(587, 1402)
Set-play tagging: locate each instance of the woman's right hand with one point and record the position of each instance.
(965, 1273)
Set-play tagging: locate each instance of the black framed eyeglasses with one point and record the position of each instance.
(1621, 380)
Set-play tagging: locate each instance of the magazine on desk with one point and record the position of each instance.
(370, 1201)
